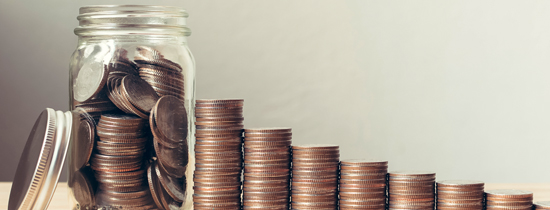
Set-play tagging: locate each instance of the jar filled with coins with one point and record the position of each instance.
(132, 81)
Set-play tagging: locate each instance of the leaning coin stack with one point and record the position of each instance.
(509, 199)
(411, 190)
(266, 168)
(165, 76)
(118, 162)
(363, 184)
(460, 194)
(218, 153)
(542, 205)
(168, 122)
(315, 176)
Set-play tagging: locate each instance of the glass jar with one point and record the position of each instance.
(132, 87)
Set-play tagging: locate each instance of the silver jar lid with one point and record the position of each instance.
(42, 160)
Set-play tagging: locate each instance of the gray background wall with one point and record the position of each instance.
(459, 87)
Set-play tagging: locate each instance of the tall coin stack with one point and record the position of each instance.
(542, 205)
(315, 176)
(460, 194)
(266, 168)
(363, 184)
(218, 153)
(118, 161)
(509, 199)
(411, 190)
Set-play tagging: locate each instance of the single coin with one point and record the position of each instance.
(153, 183)
(509, 193)
(83, 143)
(174, 160)
(91, 79)
(82, 187)
(171, 118)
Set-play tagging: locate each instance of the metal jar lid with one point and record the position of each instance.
(42, 161)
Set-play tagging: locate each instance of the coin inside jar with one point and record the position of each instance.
(86, 134)
(171, 118)
(173, 186)
(139, 93)
(92, 75)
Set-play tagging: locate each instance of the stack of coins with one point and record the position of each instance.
(132, 95)
(96, 107)
(363, 184)
(542, 205)
(118, 162)
(168, 122)
(460, 194)
(218, 153)
(162, 74)
(163, 187)
(509, 199)
(315, 176)
(411, 190)
(266, 168)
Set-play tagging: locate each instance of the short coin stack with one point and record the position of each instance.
(460, 194)
(542, 205)
(509, 199)
(411, 190)
(315, 176)
(266, 168)
(218, 153)
(118, 162)
(363, 184)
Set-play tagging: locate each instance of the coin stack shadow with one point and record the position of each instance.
(509, 199)
(118, 162)
(218, 154)
(267, 168)
(315, 176)
(460, 194)
(163, 75)
(411, 190)
(363, 184)
(542, 205)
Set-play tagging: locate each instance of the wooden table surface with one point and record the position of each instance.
(60, 198)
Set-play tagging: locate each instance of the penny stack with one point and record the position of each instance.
(118, 161)
(266, 168)
(460, 194)
(363, 184)
(542, 205)
(411, 190)
(509, 199)
(164, 76)
(315, 176)
(168, 122)
(218, 153)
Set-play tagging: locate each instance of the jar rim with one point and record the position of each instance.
(129, 8)
(98, 20)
